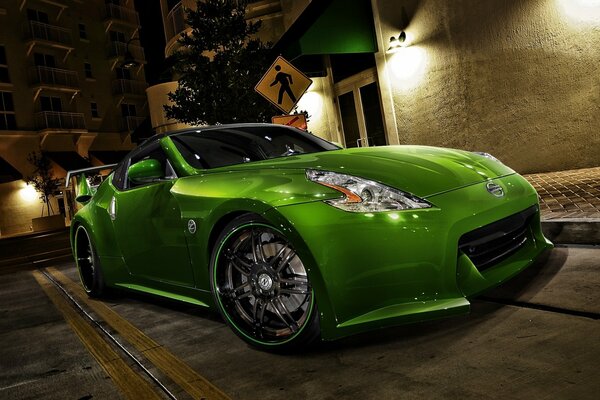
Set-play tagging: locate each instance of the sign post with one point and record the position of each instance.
(283, 85)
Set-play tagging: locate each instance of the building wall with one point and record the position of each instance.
(106, 132)
(519, 79)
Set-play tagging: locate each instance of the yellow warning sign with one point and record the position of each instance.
(283, 85)
(295, 120)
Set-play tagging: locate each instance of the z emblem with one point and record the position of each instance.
(494, 189)
(192, 226)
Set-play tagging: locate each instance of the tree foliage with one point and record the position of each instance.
(42, 179)
(218, 65)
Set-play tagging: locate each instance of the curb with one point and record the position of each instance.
(572, 231)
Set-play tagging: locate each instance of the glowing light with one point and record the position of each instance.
(581, 10)
(312, 101)
(28, 194)
(394, 216)
(408, 66)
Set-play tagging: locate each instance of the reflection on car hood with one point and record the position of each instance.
(420, 170)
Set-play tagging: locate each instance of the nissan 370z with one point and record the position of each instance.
(292, 238)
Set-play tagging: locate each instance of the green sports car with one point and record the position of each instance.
(292, 238)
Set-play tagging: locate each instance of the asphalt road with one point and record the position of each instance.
(536, 337)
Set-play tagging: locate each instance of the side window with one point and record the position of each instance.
(118, 179)
(155, 152)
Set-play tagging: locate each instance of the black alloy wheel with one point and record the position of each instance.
(87, 263)
(261, 286)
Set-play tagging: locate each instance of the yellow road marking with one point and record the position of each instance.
(131, 384)
(182, 374)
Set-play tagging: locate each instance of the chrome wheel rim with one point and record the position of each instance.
(85, 258)
(262, 285)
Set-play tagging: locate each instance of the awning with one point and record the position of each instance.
(330, 27)
(68, 160)
(8, 173)
(109, 157)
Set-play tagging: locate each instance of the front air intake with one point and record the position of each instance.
(490, 244)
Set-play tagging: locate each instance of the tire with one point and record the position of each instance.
(261, 286)
(88, 265)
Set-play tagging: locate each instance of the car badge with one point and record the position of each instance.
(192, 226)
(494, 189)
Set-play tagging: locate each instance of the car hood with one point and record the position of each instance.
(421, 170)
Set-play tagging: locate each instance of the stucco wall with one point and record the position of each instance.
(20, 204)
(517, 78)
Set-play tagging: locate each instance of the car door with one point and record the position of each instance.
(148, 225)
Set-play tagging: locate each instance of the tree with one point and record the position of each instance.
(218, 65)
(42, 179)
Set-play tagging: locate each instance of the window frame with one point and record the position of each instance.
(4, 66)
(4, 112)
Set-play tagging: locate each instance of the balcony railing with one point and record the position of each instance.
(130, 123)
(50, 33)
(128, 86)
(118, 49)
(122, 14)
(59, 120)
(175, 21)
(54, 77)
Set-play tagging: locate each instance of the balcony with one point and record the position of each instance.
(48, 35)
(59, 121)
(174, 23)
(54, 79)
(130, 123)
(118, 49)
(129, 87)
(115, 14)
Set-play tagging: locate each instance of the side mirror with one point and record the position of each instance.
(84, 191)
(145, 171)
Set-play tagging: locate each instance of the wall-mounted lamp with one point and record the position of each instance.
(396, 43)
(129, 60)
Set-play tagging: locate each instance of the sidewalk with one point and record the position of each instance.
(570, 205)
(568, 195)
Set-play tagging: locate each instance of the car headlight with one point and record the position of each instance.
(363, 195)
(487, 155)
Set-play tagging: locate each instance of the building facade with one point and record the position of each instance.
(64, 91)
(516, 78)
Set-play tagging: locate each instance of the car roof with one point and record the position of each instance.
(219, 127)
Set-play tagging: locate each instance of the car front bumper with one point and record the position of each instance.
(372, 270)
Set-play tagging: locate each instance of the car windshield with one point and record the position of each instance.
(220, 147)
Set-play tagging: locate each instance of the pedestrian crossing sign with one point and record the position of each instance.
(283, 85)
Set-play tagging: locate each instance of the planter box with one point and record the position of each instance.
(48, 223)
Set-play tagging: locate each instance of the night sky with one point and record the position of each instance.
(152, 36)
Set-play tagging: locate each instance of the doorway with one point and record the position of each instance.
(359, 108)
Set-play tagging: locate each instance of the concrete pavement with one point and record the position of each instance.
(537, 337)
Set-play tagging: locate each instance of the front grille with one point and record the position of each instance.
(490, 244)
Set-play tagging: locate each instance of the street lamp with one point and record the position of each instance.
(128, 60)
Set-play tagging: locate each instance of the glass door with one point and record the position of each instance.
(359, 109)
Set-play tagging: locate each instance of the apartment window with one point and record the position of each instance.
(116, 36)
(7, 112)
(39, 16)
(44, 60)
(51, 103)
(87, 67)
(128, 110)
(3, 66)
(123, 73)
(94, 108)
(82, 32)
